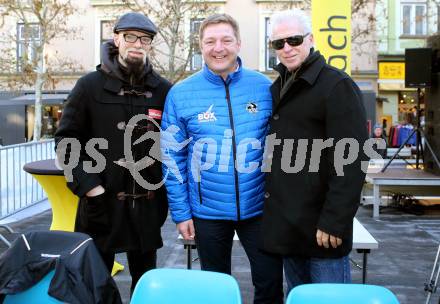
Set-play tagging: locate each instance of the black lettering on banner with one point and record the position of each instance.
(337, 47)
(343, 58)
(331, 28)
(336, 60)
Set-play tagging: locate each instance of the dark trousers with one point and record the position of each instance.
(138, 264)
(214, 244)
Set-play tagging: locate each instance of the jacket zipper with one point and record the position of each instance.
(199, 185)
(234, 149)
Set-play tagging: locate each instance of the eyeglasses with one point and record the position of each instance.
(292, 41)
(130, 38)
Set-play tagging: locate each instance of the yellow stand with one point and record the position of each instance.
(64, 205)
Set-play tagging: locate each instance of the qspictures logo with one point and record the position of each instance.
(169, 145)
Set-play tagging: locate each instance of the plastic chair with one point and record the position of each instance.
(36, 294)
(325, 293)
(183, 286)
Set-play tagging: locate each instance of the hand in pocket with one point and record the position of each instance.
(97, 214)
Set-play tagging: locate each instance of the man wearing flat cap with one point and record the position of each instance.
(115, 208)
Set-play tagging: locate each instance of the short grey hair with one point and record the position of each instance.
(291, 15)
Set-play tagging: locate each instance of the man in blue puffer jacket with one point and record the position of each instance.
(216, 122)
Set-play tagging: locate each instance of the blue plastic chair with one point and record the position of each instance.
(183, 286)
(37, 294)
(325, 293)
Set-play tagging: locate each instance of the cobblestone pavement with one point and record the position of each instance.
(403, 262)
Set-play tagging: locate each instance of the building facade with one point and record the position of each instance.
(401, 24)
(94, 20)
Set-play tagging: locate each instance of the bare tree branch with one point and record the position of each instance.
(51, 18)
(172, 48)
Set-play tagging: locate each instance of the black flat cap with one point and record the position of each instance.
(135, 22)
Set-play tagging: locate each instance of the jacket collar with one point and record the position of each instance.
(217, 79)
(115, 85)
(309, 70)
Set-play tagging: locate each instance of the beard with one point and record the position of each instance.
(134, 65)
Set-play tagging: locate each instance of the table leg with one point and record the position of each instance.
(362, 196)
(116, 268)
(188, 257)
(376, 200)
(364, 266)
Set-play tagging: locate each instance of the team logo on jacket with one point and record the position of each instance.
(252, 107)
(207, 116)
(156, 114)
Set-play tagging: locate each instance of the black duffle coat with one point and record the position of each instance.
(320, 103)
(100, 106)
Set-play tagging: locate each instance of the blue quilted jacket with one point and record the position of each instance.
(212, 144)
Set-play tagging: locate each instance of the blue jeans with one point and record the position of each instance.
(214, 245)
(299, 270)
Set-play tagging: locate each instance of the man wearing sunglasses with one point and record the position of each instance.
(308, 215)
(114, 209)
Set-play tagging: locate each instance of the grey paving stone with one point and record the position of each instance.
(403, 262)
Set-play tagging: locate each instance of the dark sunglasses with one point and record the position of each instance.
(292, 41)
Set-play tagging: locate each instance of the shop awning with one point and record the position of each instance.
(393, 85)
(29, 99)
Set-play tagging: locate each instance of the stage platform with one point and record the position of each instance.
(408, 181)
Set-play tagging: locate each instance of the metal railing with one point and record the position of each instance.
(19, 189)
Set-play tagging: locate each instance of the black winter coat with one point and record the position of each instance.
(100, 106)
(321, 103)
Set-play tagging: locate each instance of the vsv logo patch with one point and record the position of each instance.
(252, 107)
(207, 116)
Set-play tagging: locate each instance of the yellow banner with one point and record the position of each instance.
(392, 70)
(331, 22)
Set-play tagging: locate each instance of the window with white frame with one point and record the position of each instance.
(196, 59)
(414, 19)
(28, 39)
(107, 30)
(106, 33)
(270, 55)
